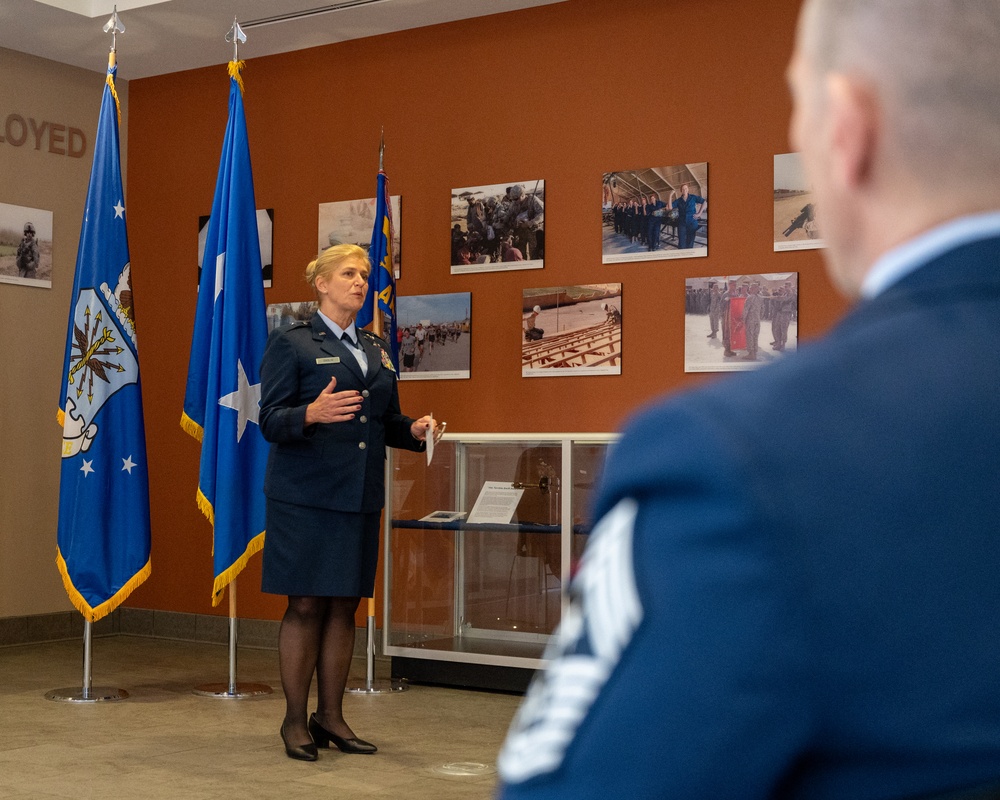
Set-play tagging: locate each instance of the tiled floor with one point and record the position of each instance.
(166, 742)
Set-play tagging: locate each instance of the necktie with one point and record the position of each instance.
(359, 354)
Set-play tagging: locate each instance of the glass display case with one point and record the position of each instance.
(479, 548)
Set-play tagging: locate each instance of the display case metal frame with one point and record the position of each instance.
(460, 631)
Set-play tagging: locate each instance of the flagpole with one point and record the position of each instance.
(232, 690)
(370, 685)
(218, 508)
(87, 693)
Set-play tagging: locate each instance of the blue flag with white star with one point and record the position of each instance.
(103, 536)
(381, 283)
(222, 400)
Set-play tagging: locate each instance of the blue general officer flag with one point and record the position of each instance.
(381, 282)
(103, 533)
(222, 400)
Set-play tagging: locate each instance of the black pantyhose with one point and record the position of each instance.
(317, 635)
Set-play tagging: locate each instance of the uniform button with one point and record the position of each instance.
(362, 445)
(364, 393)
(364, 418)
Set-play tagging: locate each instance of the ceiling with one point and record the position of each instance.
(163, 36)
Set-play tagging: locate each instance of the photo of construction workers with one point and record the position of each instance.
(572, 330)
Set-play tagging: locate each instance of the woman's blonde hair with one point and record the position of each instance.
(333, 257)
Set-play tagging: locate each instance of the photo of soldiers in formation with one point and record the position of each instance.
(738, 322)
(655, 213)
(498, 227)
(25, 245)
(795, 224)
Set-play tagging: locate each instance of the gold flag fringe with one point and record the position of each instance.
(191, 427)
(61, 418)
(93, 614)
(224, 579)
(206, 507)
(235, 67)
(255, 545)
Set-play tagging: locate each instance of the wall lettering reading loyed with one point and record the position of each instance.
(59, 139)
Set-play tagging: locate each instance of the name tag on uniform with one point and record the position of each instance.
(329, 360)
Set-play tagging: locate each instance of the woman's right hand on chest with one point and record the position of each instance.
(331, 406)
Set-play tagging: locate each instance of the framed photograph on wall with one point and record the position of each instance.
(25, 246)
(655, 213)
(571, 330)
(498, 227)
(286, 313)
(795, 223)
(434, 333)
(352, 222)
(265, 236)
(739, 322)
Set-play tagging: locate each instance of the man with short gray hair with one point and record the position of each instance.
(813, 615)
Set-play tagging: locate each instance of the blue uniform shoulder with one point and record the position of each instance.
(290, 331)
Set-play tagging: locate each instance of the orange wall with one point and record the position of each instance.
(564, 93)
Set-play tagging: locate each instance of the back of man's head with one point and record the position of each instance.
(935, 65)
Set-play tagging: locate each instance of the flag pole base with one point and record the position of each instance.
(97, 694)
(224, 691)
(370, 685)
(379, 686)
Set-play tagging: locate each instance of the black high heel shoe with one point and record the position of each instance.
(302, 752)
(323, 737)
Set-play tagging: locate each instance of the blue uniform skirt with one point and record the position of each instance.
(317, 552)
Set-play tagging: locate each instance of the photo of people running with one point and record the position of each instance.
(434, 333)
(739, 322)
(655, 213)
(498, 227)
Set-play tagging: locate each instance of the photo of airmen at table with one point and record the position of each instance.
(795, 225)
(739, 322)
(571, 330)
(352, 222)
(25, 246)
(655, 213)
(434, 332)
(498, 227)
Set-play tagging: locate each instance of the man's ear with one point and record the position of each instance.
(855, 128)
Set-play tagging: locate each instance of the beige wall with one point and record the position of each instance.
(33, 320)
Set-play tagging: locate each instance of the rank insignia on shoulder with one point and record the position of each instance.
(386, 361)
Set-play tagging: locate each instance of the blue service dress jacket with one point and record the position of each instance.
(340, 466)
(793, 590)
